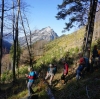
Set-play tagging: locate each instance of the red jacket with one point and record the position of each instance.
(65, 69)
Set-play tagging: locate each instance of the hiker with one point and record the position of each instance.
(80, 68)
(65, 71)
(95, 57)
(95, 52)
(55, 68)
(86, 62)
(30, 77)
(50, 73)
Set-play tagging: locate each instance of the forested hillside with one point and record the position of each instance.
(42, 65)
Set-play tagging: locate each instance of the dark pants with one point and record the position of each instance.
(87, 67)
(63, 77)
(78, 74)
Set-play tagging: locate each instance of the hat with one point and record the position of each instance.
(50, 65)
(81, 60)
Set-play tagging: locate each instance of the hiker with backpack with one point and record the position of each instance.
(31, 79)
(65, 71)
(80, 68)
(86, 62)
(95, 57)
(50, 73)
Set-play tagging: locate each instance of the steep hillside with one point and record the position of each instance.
(85, 88)
(71, 42)
(57, 48)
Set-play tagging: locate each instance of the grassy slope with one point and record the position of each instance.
(87, 87)
(58, 47)
(73, 89)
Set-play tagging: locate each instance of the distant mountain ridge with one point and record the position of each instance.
(6, 47)
(8, 37)
(7, 42)
(47, 34)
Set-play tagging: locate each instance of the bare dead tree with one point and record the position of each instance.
(15, 41)
(31, 60)
(25, 37)
(1, 35)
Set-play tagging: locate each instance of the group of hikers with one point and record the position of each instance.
(53, 69)
(83, 64)
(49, 74)
(88, 65)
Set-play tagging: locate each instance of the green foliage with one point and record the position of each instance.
(76, 50)
(8, 75)
(18, 53)
(71, 50)
(3, 78)
(76, 10)
(23, 70)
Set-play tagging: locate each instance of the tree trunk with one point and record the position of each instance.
(13, 38)
(26, 40)
(87, 27)
(15, 44)
(1, 35)
(90, 28)
(31, 61)
(17, 32)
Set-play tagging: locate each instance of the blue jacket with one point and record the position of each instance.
(80, 68)
(31, 76)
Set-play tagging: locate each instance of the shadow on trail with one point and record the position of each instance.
(32, 97)
(74, 89)
(68, 77)
(13, 89)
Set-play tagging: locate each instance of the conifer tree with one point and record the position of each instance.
(82, 13)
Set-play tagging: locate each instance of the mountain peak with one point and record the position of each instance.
(46, 33)
(48, 28)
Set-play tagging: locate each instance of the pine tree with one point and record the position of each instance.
(83, 13)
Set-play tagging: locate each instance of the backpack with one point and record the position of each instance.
(55, 69)
(35, 75)
(87, 64)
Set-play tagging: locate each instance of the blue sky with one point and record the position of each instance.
(41, 14)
